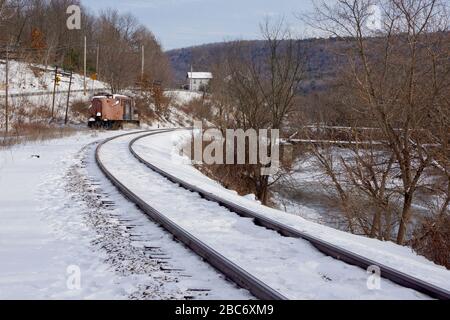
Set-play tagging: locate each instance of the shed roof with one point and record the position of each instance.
(199, 75)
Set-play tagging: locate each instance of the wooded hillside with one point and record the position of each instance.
(36, 31)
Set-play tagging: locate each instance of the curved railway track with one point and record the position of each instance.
(230, 269)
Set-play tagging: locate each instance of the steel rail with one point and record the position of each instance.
(231, 270)
(325, 247)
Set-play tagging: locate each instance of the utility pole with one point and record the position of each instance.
(54, 89)
(68, 98)
(6, 90)
(142, 69)
(84, 81)
(96, 64)
(190, 80)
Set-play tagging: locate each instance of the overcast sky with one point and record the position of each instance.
(183, 23)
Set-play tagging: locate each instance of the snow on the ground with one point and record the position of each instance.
(294, 207)
(302, 194)
(163, 150)
(60, 216)
(183, 96)
(175, 116)
(22, 79)
(33, 259)
(291, 266)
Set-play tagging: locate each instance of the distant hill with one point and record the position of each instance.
(322, 63)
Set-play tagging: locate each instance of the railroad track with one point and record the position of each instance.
(230, 269)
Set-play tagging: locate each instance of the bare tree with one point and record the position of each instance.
(3, 9)
(253, 93)
(121, 38)
(394, 77)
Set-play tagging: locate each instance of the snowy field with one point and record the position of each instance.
(164, 151)
(61, 218)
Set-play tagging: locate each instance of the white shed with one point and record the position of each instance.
(198, 80)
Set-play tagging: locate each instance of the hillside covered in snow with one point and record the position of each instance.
(27, 78)
(30, 92)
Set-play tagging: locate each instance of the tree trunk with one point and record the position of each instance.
(406, 215)
(262, 190)
(376, 225)
(388, 228)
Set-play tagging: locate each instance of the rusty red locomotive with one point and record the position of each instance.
(112, 111)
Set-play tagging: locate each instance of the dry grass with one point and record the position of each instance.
(34, 132)
(145, 108)
(198, 108)
(31, 122)
(241, 178)
(79, 110)
(229, 176)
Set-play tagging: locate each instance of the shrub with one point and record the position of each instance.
(432, 239)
